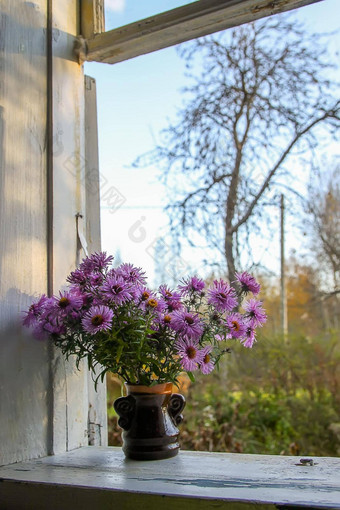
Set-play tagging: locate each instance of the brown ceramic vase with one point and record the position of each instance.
(149, 416)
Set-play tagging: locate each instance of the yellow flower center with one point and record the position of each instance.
(189, 319)
(97, 320)
(191, 352)
(64, 302)
(153, 303)
(236, 325)
(167, 319)
(206, 358)
(145, 296)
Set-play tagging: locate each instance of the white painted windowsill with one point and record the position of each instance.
(100, 478)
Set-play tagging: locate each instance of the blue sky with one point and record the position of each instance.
(135, 100)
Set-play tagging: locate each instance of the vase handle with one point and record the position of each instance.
(125, 408)
(175, 407)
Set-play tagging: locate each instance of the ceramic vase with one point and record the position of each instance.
(149, 416)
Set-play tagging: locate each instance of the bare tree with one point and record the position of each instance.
(258, 95)
(322, 224)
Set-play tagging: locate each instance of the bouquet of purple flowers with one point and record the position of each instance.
(109, 316)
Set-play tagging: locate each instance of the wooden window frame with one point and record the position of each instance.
(166, 29)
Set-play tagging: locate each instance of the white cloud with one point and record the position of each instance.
(115, 5)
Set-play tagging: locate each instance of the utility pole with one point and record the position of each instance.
(284, 316)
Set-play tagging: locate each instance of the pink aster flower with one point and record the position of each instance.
(249, 337)
(191, 285)
(248, 283)
(131, 274)
(236, 327)
(187, 324)
(222, 296)
(98, 318)
(206, 365)
(254, 312)
(117, 290)
(189, 353)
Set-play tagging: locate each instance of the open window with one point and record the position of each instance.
(47, 158)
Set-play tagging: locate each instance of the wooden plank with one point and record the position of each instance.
(192, 480)
(97, 417)
(92, 178)
(92, 19)
(23, 262)
(182, 24)
(70, 394)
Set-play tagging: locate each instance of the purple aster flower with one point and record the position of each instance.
(77, 277)
(146, 299)
(68, 301)
(152, 303)
(131, 274)
(95, 279)
(75, 317)
(49, 322)
(88, 299)
(95, 262)
(160, 307)
(53, 327)
(189, 353)
(206, 365)
(254, 312)
(143, 294)
(222, 296)
(117, 290)
(191, 285)
(98, 318)
(165, 319)
(236, 326)
(168, 294)
(34, 311)
(249, 337)
(187, 324)
(174, 305)
(220, 338)
(161, 321)
(172, 299)
(248, 283)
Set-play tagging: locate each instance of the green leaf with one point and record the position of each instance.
(119, 352)
(191, 376)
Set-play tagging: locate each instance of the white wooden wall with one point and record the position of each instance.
(44, 401)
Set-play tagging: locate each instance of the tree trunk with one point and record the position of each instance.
(229, 255)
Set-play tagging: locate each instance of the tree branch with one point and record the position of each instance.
(329, 114)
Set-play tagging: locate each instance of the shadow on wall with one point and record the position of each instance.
(29, 422)
(24, 365)
(24, 375)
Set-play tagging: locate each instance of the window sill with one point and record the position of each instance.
(99, 477)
